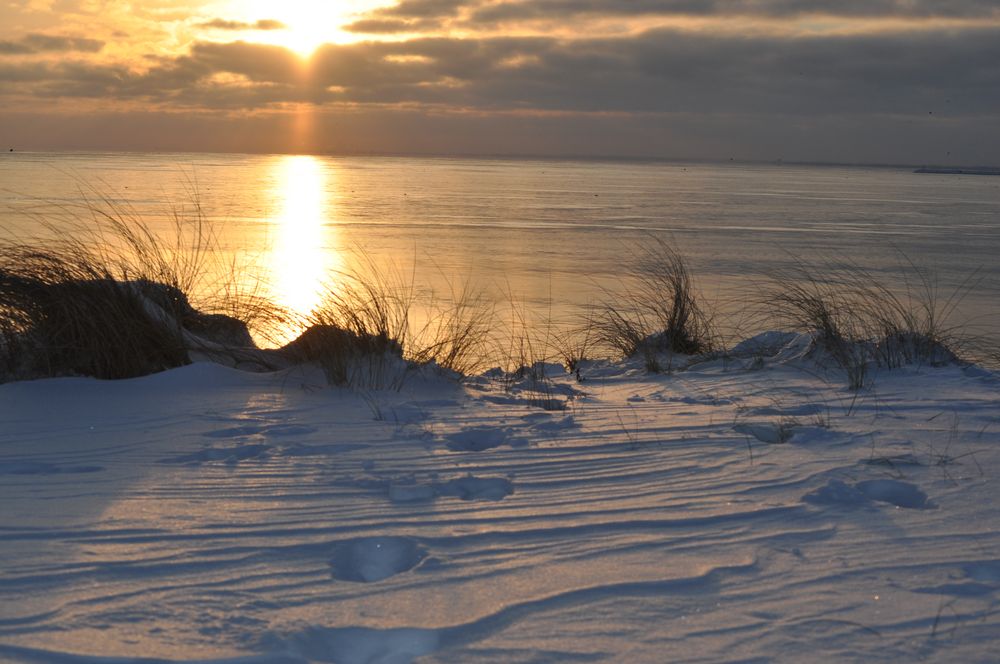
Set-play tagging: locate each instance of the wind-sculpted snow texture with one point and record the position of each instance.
(737, 510)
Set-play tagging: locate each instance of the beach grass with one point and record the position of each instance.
(656, 309)
(98, 292)
(860, 321)
(104, 295)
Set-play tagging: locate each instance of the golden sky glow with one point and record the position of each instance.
(308, 23)
(873, 80)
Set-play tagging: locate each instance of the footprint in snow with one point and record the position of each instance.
(464, 488)
(893, 492)
(281, 430)
(766, 432)
(229, 455)
(330, 449)
(978, 579)
(277, 430)
(478, 439)
(364, 645)
(371, 559)
(803, 410)
(235, 432)
(553, 425)
(409, 412)
(477, 488)
(408, 492)
(986, 571)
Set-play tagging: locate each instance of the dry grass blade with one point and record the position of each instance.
(457, 332)
(361, 325)
(659, 311)
(100, 293)
(858, 319)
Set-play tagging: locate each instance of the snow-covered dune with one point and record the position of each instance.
(734, 511)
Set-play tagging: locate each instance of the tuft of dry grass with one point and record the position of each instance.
(99, 293)
(458, 330)
(859, 320)
(365, 332)
(659, 312)
(64, 314)
(361, 325)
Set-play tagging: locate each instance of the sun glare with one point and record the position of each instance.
(305, 246)
(308, 23)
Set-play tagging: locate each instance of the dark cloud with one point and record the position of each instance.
(880, 94)
(385, 26)
(561, 9)
(424, 8)
(223, 24)
(409, 16)
(40, 43)
(675, 71)
(943, 74)
(412, 15)
(258, 62)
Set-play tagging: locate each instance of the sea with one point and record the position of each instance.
(548, 239)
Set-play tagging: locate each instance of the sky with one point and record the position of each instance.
(850, 81)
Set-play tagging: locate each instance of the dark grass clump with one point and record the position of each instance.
(858, 321)
(361, 327)
(62, 316)
(101, 294)
(660, 312)
(365, 333)
(346, 357)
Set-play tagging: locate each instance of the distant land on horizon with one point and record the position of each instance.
(940, 169)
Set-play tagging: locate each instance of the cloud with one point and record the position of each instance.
(661, 71)
(384, 26)
(223, 24)
(424, 8)
(591, 73)
(678, 71)
(410, 16)
(521, 10)
(41, 43)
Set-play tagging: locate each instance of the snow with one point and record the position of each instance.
(745, 508)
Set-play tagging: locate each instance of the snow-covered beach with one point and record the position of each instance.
(499, 331)
(802, 470)
(744, 509)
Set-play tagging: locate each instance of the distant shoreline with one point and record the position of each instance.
(958, 171)
(635, 159)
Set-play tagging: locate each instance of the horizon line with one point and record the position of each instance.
(525, 157)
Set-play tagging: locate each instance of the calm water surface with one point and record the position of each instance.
(555, 234)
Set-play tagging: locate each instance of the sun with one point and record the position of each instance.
(308, 23)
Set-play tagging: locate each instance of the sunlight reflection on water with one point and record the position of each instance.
(306, 249)
(557, 236)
